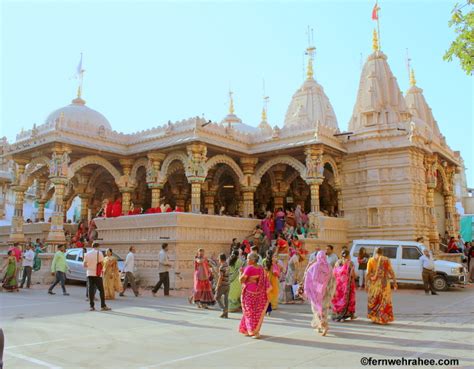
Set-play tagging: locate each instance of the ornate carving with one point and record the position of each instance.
(283, 159)
(224, 159)
(58, 166)
(94, 159)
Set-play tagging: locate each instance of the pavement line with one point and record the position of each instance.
(33, 360)
(253, 341)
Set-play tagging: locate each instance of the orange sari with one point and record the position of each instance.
(379, 274)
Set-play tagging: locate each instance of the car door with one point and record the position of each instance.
(410, 264)
(71, 257)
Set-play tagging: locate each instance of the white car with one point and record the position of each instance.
(405, 259)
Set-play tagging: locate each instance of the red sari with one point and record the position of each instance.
(344, 300)
(202, 285)
(254, 301)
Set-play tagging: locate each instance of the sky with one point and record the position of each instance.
(148, 62)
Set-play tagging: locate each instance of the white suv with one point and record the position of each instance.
(405, 255)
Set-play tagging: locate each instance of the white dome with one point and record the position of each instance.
(78, 112)
(309, 105)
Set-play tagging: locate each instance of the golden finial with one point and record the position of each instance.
(412, 78)
(309, 71)
(264, 114)
(375, 41)
(231, 103)
(79, 92)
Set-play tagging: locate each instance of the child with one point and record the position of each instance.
(222, 287)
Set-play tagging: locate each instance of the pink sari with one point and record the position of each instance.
(344, 300)
(254, 301)
(202, 285)
(319, 289)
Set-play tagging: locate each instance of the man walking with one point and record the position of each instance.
(427, 271)
(164, 266)
(93, 259)
(223, 286)
(129, 268)
(59, 269)
(28, 259)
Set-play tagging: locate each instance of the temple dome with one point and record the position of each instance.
(379, 99)
(309, 105)
(78, 112)
(419, 108)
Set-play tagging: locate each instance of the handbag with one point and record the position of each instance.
(99, 266)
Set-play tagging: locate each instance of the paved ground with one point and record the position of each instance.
(59, 332)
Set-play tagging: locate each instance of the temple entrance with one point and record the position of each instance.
(227, 189)
(177, 190)
(141, 197)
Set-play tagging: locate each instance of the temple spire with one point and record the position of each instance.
(79, 75)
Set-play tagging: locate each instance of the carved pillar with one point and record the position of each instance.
(58, 172)
(248, 201)
(209, 197)
(281, 187)
(126, 199)
(248, 192)
(155, 159)
(314, 174)
(340, 203)
(16, 233)
(181, 200)
(196, 197)
(196, 173)
(126, 184)
(85, 200)
(40, 213)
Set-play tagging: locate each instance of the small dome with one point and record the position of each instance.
(78, 112)
(309, 105)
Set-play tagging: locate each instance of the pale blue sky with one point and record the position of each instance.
(149, 62)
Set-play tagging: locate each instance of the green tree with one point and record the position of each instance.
(462, 47)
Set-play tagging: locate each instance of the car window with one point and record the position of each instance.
(71, 255)
(369, 250)
(118, 257)
(390, 252)
(411, 253)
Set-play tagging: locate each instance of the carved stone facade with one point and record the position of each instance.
(391, 176)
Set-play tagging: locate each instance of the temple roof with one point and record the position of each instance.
(378, 93)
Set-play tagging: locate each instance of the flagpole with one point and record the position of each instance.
(378, 26)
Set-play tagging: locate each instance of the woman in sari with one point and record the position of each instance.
(344, 300)
(235, 263)
(9, 281)
(268, 226)
(39, 249)
(319, 284)
(379, 293)
(272, 270)
(254, 297)
(203, 295)
(279, 220)
(111, 276)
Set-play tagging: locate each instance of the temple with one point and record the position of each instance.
(391, 175)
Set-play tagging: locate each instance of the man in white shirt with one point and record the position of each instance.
(91, 259)
(164, 267)
(331, 256)
(129, 269)
(427, 271)
(28, 258)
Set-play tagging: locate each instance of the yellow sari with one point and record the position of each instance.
(273, 276)
(111, 278)
(379, 274)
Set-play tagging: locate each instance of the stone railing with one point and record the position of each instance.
(184, 232)
(33, 231)
(332, 231)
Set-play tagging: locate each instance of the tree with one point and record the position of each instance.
(463, 46)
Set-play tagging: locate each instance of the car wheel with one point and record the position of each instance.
(440, 283)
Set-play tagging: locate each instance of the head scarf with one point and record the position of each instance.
(317, 279)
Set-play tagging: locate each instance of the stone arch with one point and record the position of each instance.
(283, 159)
(142, 162)
(31, 166)
(176, 155)
(444, 178)
(221, 171)
(94, 159)
(332, 163)
(224, 159)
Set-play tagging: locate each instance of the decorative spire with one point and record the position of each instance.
(264, 115)
(231, 103)
(375, 41)
(79, 92)
(412, 78)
